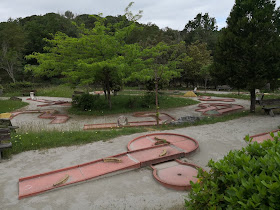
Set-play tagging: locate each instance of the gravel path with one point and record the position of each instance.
(136, 189)
(28, 122)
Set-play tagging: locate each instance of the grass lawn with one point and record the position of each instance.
(131, 103)
(52, 91)
(52, 139)
(55, 91)
(10, 105)
(240, 96)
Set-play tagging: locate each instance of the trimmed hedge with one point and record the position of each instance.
(244, 179)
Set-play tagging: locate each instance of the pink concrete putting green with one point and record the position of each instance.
(45, 114)
(169, 147)
(163, 118)
(186, 143)
(50, 102)
(175, 174)
(216, 109)
(209, 98)
(264, 136)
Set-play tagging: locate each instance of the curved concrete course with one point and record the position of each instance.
(216, 109)
(175, 146)
(176, 174)
(163, 118)
(209, 98)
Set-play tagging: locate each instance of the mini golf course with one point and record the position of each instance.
(158, 150)
(209, 98)
(45, 114)
(163, 118)
(216, 109)
(50, 102)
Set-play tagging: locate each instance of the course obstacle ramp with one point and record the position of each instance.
(163, 118)
(51, 102)
(209, 98)
(45, 114)
(216, 109)
(175, 146)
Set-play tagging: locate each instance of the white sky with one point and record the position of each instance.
(164, 13)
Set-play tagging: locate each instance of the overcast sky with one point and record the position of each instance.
(164, 13)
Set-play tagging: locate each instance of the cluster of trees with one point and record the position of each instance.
(25, 36)
(90, 49)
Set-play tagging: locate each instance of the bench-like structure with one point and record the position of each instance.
(5, 140)
(268, 105)
(6, 123)
(223, 87)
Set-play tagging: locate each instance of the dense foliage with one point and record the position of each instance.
(38, 33)
(247, 54)
(244, 179)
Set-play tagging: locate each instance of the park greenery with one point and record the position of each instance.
(243, 179)
(247, 53)
(10, 105)
(110, 52)
(59, 53)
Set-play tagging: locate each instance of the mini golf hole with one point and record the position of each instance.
(179, 174)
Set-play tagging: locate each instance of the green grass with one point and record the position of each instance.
(51, 139)
(52, 91)
(131, 92)
(229, 95)
(10, 105)
(127, 104)
(241, 96)
(55, 91)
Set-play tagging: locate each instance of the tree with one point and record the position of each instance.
(38, 28)
(69, 15)
(157, 64)
(248, 53)
(203, 28)
(205, 74)
(12, 44)
(195, 68)
(96, 56)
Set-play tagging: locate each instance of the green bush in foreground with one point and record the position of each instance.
(244, 179)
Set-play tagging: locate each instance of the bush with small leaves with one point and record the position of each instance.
(86, 102)
(243, 179)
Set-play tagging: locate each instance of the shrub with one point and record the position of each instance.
(244, 179)
(148, 100)
(21, 85)
(131, 103)
(87, 102)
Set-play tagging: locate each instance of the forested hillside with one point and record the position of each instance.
(29, 35)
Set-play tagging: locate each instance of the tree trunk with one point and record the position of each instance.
(253, 101)
(205, 84)
(109, 96)
(156, 91)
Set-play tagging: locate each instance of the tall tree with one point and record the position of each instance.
(248, 50)
(95, 56)
(12, 42)
(157, 64)
(202, 28)
(194, 69)
(38, 28)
